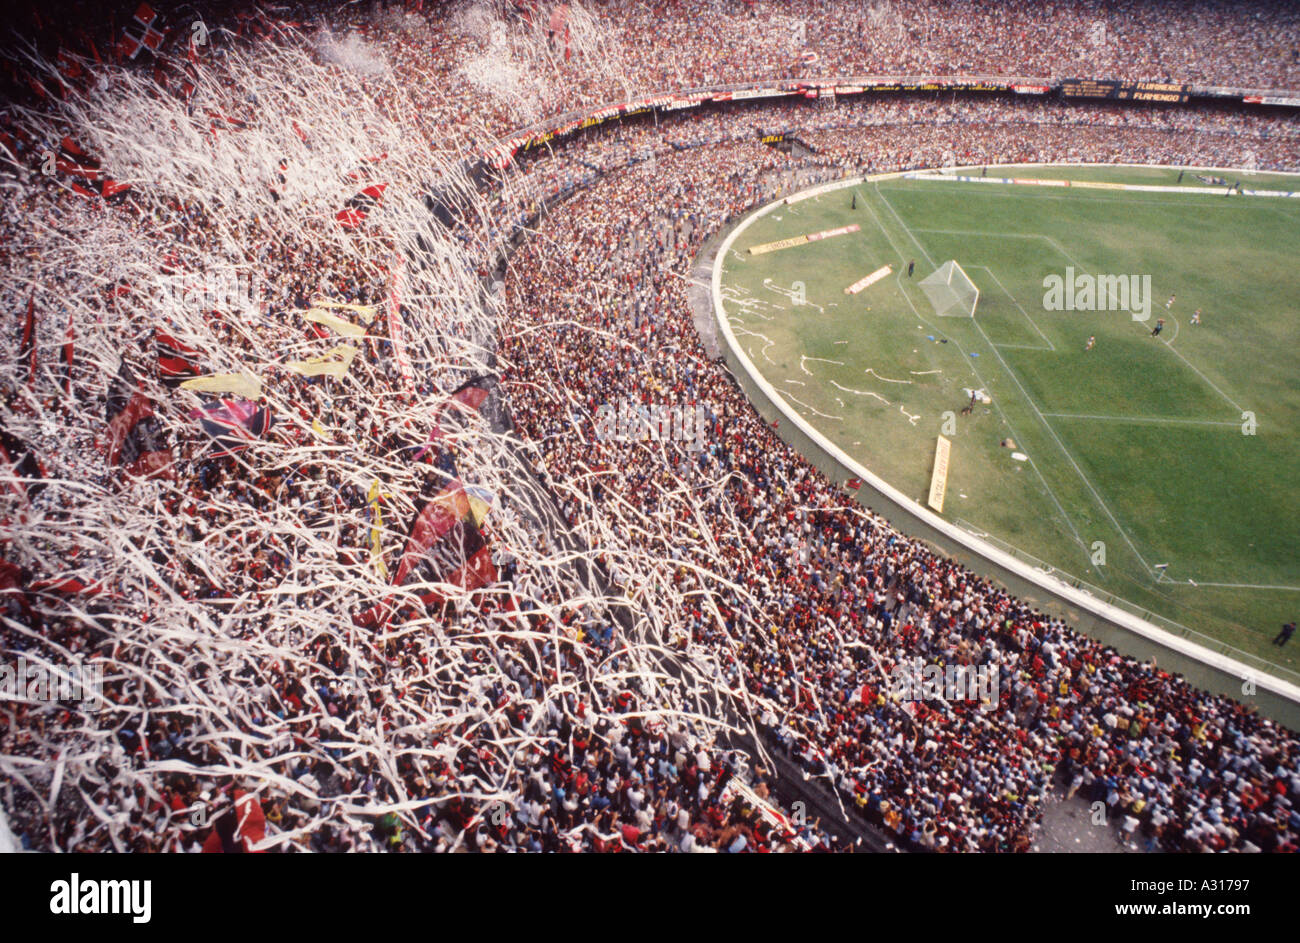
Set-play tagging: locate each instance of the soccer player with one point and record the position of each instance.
(969, 406)
(1170, 303)
(1196, 316)
(1160, 326)
(910, 265)
(1092, 341)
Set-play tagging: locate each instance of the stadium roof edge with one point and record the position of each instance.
(911, 81)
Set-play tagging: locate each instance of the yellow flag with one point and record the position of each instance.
(335, 363)
(376, 528)
(241, 384)
(335, 323)
(365, 312)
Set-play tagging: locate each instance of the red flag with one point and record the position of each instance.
(152, 38)
(176, 362)
(71, 586)
(112, 188)
(153, 465)
(84, 171)
(853, 483)
(27, 348)
(72, 147)
(478, 571)
(144, 14)
(85, 38)
(67, 64)
(138, 408)
(127, 46)
(239, 829)
(69, 339)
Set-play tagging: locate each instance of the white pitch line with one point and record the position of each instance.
(1037, 193)
(1197, 584)
(1177, 326)
(1177, 353)
(1158, 419)
(884, 199)
(1008, 235)
(975, 372)
(1050, 345)
(1052, 242)
(1064, 451)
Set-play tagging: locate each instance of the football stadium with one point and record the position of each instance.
(1081, 420)
(701, 426)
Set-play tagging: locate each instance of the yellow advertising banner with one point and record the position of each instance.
(869, 280)
(781, 244)
(939, 479)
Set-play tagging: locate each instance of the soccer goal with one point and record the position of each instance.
(951, 291)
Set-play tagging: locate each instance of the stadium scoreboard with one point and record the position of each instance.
(1126, 91)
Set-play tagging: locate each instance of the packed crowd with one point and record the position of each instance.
(522, 714)
(478, 70)
(621, 50)
(823, 585)
(512, 711)
(589, 782)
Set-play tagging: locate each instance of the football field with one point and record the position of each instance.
(1160, 469)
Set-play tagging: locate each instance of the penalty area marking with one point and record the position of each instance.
(1156, 419)
(1050, 346)
(902, 290)
(1199, 584)
(1092, 489)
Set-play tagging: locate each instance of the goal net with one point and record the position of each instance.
(951, 291)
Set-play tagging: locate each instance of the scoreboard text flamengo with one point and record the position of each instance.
(1132, 91)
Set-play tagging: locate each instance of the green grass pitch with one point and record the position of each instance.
(1136, 445)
